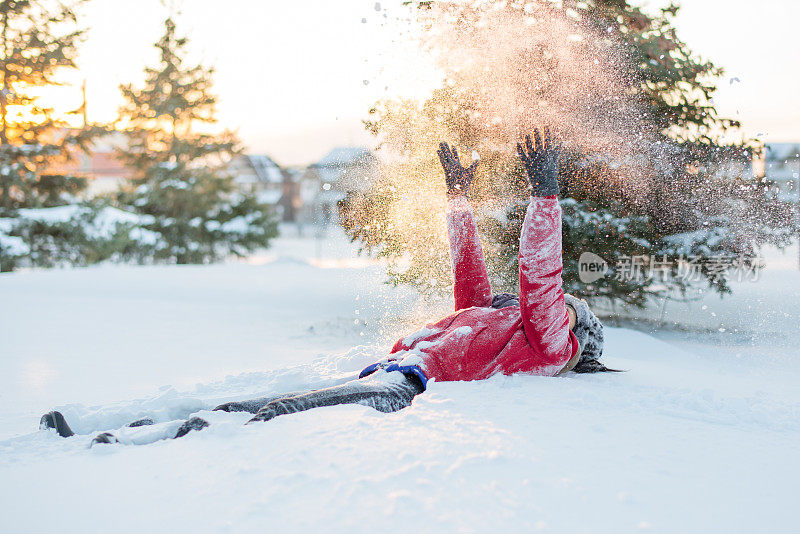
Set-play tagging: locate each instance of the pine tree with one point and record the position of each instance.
(38, 40)
(662, 98)
(180, 178)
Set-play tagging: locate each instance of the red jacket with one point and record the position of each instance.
(477, 340)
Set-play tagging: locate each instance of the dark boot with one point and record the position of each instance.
(146, 421)
(105, 437)
(195, 423)
(56, 420)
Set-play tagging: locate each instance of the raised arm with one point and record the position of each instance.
(466, 254)
(544, 312)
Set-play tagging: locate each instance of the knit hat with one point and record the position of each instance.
(589, 331)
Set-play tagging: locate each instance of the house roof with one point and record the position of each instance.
(265, 168)
(347, 155)
(338, 161)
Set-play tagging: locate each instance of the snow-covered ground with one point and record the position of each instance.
(700, 435)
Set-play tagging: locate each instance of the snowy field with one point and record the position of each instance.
(700, 435)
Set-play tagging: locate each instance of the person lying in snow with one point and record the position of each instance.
(542, 332)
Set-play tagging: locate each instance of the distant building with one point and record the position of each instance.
(309, 195)
(328, 181)
(781, 163)
(104, 173)
(271, 183)
(256, 174)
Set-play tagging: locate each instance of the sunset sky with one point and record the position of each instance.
(296, 78)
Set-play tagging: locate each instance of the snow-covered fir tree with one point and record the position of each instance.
(38, 41)
(644, 87)
(180, 179)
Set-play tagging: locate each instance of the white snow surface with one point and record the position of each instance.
(698, 440)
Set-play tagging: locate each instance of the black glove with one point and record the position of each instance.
(457, 178)
(541, 163)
